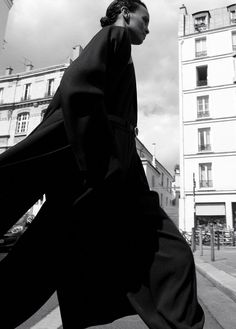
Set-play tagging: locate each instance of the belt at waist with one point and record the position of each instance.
(124, 124)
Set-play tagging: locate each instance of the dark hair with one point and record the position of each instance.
(114, 9)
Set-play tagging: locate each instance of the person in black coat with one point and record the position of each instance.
(101, 239)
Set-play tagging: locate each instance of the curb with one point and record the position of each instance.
(222, 280)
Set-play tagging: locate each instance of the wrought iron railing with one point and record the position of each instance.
(206, 183)
(204, 147)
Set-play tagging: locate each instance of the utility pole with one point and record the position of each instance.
(194, 216)
(154, 155)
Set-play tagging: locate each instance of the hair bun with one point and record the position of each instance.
(105, 21)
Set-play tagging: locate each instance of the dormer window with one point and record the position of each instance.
(232, 13)
(201, 21)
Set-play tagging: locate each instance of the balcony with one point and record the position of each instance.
(206, 183)
(204, 147)
(201, 53)
(203, 114)
(27, 98)
(49, 94)
(200, 27)
(201, 83)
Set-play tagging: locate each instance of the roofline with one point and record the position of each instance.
(33, 72)
(155, 159)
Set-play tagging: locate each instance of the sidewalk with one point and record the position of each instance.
(222, 271)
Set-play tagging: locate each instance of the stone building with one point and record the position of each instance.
(207, 98)
(159, 180)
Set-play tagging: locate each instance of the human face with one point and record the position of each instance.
(138, 25)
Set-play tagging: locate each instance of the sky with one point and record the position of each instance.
(44, 32)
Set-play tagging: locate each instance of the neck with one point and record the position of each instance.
(120, 22)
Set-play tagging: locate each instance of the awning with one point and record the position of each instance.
(210, 209)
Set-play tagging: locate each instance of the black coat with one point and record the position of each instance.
(84, 159)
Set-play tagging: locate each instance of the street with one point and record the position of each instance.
(209, 297)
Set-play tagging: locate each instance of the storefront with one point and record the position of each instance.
(211, 213)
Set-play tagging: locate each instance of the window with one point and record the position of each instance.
(1, 95)
(205, 175)
(234, 40)
(200, 47)
(233, 16)
(204, 139)
(26, 92)
(167, 201)
(22, 123)
(201, 75)
(153, 181)
(162, 179)
(232, 13)
(42, 114)
(50, 87)
(201, 21)
(203, 106)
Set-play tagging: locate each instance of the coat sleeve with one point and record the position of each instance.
(83, 94)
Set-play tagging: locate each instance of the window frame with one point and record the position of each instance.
(26, 91)
(205, 183)
(204, 112)
(201, 82)
(201, 53)
(22, 122)
(204, 134)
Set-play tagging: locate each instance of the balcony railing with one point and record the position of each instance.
(49, 94)
(204, 147)
(27, 98)
(201, 83)
(206, 183)
(201, 53)
(200, 27)
(203, 114)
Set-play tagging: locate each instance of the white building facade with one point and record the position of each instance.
(5, 6)
(207, 105)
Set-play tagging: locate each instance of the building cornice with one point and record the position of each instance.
(209, 121)
(207, 32)
(33, 73)
(198, 60)
(198, 192)
(24, 104)
(210, 155)
(208, 88)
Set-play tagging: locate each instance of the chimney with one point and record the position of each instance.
(9, 70)
(76, 51)
(183, 10)
(29, 67)
(182, 20)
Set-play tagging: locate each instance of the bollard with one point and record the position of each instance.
(212, 243)
(200, 241)
(218, 240)
(233, 238)
(193, 242)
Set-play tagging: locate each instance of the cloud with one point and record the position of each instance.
(163, 130)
